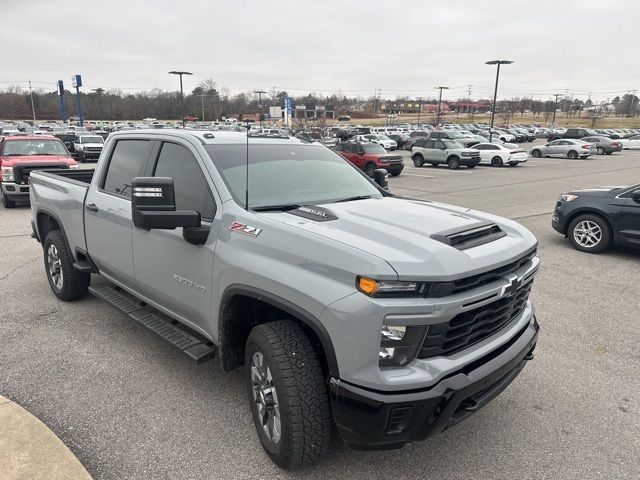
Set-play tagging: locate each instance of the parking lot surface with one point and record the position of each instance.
(131, 406)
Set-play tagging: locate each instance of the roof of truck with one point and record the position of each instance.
(214, 137)
(9, 138)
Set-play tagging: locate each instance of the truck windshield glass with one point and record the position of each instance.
(94, 139)
(374, 148)
(34, 147)
(288, 174)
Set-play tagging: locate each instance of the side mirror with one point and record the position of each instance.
(636, 196)
(381, 176)
(153, 205)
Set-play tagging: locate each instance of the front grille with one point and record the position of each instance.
(22, 173)
(472, 326)
(444, 289)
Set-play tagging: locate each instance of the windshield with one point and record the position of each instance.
(34, 147)
(288, 174)
(451, 144)
(93, 139)
(373, 148)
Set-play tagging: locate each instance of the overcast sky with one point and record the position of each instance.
(403, 47)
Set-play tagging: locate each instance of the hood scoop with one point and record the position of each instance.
(471, 236)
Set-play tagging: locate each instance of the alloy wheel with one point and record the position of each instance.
(265, 397)
(55, 266)
(587, 234)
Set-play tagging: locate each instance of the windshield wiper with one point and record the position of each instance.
(276, 208)
(356, 197)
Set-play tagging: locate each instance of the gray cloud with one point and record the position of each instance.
(402, 47)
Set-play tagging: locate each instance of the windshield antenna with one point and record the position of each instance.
(246, 192)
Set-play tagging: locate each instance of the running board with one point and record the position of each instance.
(155, 321)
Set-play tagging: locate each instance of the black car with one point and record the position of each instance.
(595, 218)
(400, 139)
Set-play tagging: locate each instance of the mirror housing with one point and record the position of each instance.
(381, 176)
(153, 205)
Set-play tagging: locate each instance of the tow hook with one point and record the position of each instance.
(529, 356)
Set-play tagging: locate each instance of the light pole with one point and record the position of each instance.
(419, 111)
(555, 107)
(33, 110)
(439, 103)
(495, 92)
(260, 92)
(174, 72)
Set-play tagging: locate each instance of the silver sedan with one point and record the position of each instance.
(563, 147)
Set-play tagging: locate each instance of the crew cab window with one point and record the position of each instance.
(127, 161)
(191, 188)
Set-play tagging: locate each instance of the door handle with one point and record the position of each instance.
(91, 207)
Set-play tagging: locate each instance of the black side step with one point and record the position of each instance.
(156, 322)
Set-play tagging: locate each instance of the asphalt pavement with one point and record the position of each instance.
(131, 406)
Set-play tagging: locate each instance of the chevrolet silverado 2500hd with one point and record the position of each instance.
(389, 318)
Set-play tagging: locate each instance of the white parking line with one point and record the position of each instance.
(414, 175)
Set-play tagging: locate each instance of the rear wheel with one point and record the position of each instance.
(369, 169)
(288, 394)
(589, 233)
(7, 202)
(572, 154)
(418, 160)
(496, 161)
(453, 162)
(65, 281)
(536, 153)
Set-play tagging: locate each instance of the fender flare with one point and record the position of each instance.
(294, 310)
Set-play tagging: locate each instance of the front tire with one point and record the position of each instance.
(453, 162)
(589, 233)
(600, 151)
(65, 281)
(288, 394)
(7, 202)
(536, 153)
(496, 161)
(572, 154)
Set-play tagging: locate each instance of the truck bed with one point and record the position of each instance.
(61, 194)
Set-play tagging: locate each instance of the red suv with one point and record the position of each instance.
(20, 155)
(370, 156)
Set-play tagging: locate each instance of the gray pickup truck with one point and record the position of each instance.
(387, 317)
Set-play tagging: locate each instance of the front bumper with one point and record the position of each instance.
(393, 168)
(375, 420)
(15, 190)
(469, 160)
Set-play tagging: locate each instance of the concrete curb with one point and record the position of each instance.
(29, 450)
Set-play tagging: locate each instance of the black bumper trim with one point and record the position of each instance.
(369, 419)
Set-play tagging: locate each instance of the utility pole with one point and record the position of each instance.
(274, 100)
(202, 95)
(260, 92)
(33, 110)
(174, 72)
(555, 107)
(419, 111)
(632, 112)
(495, 91)
(439, 103)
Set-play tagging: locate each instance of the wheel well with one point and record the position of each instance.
(240, 314)
(586, 212)
(46, 223)
(453, 156)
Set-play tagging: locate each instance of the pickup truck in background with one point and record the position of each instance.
(88, 147)
(390, 318)
(20, 155)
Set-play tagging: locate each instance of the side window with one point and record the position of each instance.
(481, 147)
(436, 135)
(439, 144)
(429, 144)
(128, 161)
(191, 188)
(419, 143)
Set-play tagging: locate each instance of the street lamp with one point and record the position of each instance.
(181, 93)
(260, 92)
(439, 102)
(495, 92)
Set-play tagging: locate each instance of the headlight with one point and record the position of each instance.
(74, 167)
(79, 147)
(389, 288)
(567, 197)
(468, 154)
(7, 174)
(399, 345)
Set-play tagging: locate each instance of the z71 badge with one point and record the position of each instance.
(246, 229)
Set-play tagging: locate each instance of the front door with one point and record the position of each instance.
(630, 222)
(172, 272)
(107, 214)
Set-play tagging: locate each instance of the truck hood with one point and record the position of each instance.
(36, 159)
(410, 235)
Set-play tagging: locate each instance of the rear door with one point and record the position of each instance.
(171, 272)
(107, 215)
(439, 151)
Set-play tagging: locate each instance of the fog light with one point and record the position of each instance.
(399, 345)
